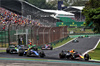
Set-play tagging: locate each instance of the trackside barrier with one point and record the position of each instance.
(3, 38)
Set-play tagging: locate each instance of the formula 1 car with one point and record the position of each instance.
(31, 52)
(14, 49)
(75, 41)
(80, 37)
(46, 47)
(76, 56)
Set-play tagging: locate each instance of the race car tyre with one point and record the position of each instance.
(28, 53)
(42, 54)
(62, 55)
(86, 57)
(21, 52)
(7, 50)
(51, 48)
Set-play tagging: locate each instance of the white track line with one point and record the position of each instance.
(65, 43)
(91, 49)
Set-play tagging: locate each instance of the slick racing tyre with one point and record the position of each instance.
(51, 48)
(8, 50)
(86, 57)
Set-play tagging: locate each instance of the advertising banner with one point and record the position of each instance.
(70, 24)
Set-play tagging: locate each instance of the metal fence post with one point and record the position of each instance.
(9, 34)
(37, 35)
(26, 37)
(43, 34)
(31, 32)
(49, 35)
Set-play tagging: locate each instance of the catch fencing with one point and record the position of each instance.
(23, 34)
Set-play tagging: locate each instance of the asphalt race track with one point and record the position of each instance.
(83, 45)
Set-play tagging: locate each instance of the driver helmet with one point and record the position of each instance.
(30, 43)
(73, 50)
(68, 51)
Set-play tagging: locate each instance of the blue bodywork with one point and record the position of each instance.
(32, 51)
(36, 53)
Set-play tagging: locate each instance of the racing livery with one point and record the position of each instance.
(75, 55)
(31, 52)
(80, 37)
(12, 49)
(75, 41)
(47, 47)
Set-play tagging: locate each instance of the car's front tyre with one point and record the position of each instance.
(8, 50)
(42, 54)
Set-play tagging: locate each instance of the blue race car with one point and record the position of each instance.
(31, 52)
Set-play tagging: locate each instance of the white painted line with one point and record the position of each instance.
(91, 49)
(65, 43)
(94, 60)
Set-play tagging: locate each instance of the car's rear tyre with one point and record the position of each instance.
(86, 57)
(51, 48)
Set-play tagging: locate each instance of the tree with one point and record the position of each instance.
(92, 14)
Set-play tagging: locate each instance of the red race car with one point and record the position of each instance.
(46, 47)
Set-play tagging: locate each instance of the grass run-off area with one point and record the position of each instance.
(63, 42)
(95, 54)
(2, 50)
(78, 30)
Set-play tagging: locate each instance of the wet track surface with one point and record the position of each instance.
(83, 45)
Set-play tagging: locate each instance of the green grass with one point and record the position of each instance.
(95, 54)
(4, 45)
(2, 50)
(77, 30)
(61, 43)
